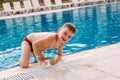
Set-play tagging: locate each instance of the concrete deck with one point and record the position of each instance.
(95, 64)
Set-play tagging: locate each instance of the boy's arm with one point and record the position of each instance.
(38, 53)
(58, 57)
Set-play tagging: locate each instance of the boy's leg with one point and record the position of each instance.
(34, 57)
(25, 54)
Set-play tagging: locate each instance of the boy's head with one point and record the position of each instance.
(66, 32)
(70, 26)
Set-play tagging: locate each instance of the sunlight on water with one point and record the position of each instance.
(77, 45)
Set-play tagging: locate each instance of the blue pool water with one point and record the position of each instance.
(96, 26)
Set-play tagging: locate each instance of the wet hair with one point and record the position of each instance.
(70, 26)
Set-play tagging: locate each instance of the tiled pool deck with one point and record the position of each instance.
(96, 64)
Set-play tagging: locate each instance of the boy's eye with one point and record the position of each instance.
(69, 36)
(65, 33)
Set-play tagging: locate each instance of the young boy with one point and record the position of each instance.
(38, 42)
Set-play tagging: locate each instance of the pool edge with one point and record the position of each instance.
(83, 58)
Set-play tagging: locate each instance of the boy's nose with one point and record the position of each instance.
(66, 38)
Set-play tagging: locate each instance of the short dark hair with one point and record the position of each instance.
(70, 26)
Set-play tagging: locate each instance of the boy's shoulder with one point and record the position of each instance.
(44, 34)
(49, 34)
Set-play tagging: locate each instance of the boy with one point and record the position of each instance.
(38, 42)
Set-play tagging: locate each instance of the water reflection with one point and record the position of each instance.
(67, 16)
(113, 24)
(3, 27)
(59, 19)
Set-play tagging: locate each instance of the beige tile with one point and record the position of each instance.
(116, 73)
(109, 64)
(88, 71)
(106, 77)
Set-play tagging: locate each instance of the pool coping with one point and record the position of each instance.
(50, 11)
(94, 61)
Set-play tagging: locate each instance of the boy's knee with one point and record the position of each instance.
(23, 64)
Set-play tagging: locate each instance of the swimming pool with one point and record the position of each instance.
(96, 26)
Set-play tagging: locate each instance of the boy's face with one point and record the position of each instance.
(65, 34)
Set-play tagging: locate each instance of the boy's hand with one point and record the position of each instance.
(52, 62)
(44, 63)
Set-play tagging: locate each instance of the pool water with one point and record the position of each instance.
(96, 26)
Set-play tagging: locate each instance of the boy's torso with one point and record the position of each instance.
(50, 40)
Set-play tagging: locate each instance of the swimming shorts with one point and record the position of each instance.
(29, 42)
